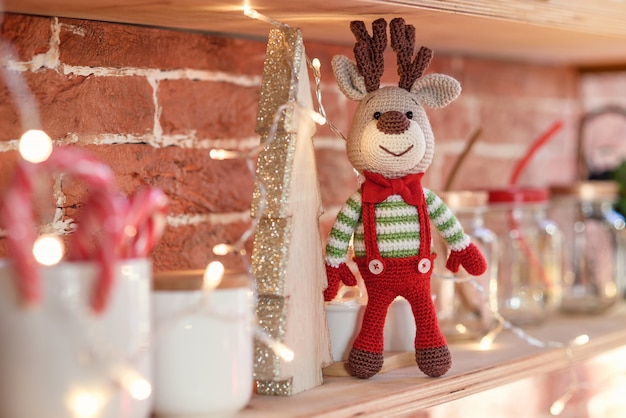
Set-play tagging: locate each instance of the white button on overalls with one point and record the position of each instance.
(376, 266)
(423, 266)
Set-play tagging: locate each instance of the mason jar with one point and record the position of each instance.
(594, 245)
(530, 261)
(465, 304)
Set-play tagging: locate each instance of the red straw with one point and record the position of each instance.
(521, 165)
(519, 168)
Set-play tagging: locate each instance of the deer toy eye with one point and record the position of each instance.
(409, 115)
(377, 115)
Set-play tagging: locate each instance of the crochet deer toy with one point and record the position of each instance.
(391, 144)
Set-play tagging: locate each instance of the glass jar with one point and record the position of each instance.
(595, 262)
(530, 261)
(465, 308)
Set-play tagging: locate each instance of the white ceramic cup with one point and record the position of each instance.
(204, 347)
(344, 315)
(59, 359)
(400, 327)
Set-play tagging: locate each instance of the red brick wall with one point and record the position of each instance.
(152, 103)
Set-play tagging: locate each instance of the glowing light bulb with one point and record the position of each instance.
(132, 381)
(222, 249)
(213, 275)
(35, 146)
(247, 10)
(316, 63)
(253, 14)
(581, 339)
(486, 342)
(217, 154)
(318, 118)
(85, 405)
(559, 405)
(282, 351)
(130, 231)
(48, 250)
(140, 389)
(222, 154)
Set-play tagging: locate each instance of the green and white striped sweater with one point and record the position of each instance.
(397, 228)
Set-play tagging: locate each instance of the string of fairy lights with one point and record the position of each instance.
(502, 324)
(35, 146)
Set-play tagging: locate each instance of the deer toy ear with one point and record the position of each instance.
(436, 90)
(350, 82)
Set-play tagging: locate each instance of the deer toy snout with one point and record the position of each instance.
(393, 122)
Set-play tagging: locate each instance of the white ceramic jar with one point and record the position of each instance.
(59, 359)
(203, 345)
(344, 323)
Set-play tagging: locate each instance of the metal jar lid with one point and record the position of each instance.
(464, 199)
(588, 191)
(189, 280)
(519, 195)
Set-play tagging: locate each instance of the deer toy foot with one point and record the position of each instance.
(434, 362)
(364, 364)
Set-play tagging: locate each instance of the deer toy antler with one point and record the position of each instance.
(403, 44)
(368, 51)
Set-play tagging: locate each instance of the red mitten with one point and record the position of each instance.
(335, 276)
(470, 258)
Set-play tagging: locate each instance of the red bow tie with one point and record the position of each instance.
(378, 188)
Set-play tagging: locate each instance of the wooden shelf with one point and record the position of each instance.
(402, 391)
(563, 32)
(576, 32)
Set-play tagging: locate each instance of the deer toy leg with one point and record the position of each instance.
(366, 356)
(431, 349)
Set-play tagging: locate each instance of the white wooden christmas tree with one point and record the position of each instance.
(287, 259)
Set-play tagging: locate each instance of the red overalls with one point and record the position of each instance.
(387, 278)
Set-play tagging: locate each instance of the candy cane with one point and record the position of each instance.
(101, 221)
(18, 221)
(145, 222)
(81, 165)
(109, 225)
(16, 213)
(103, 211)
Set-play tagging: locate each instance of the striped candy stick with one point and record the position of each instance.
(144, 222)
(17, 215)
